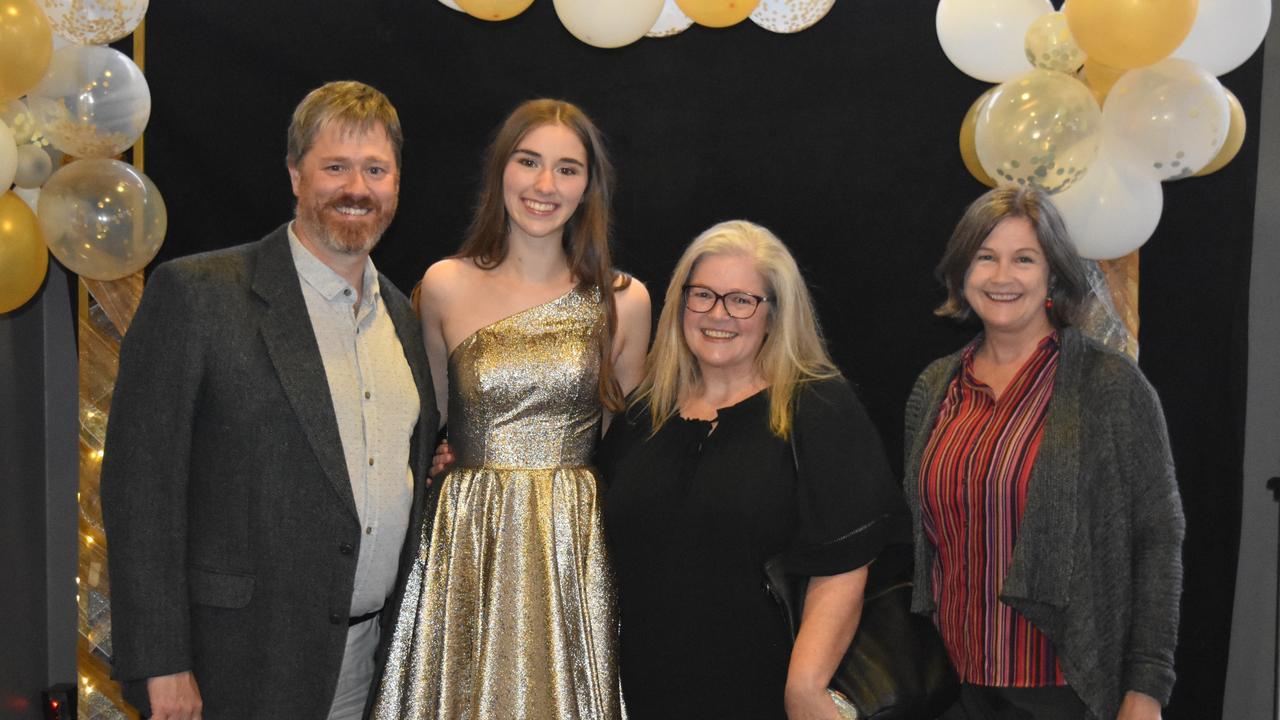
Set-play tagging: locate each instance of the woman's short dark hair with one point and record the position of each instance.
(1068, 285)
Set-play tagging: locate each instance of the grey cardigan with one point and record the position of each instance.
(1097, 566)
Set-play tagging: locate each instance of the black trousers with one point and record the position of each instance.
(981, 702)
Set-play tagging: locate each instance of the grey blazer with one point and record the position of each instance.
(1098, 562)
(232, 532)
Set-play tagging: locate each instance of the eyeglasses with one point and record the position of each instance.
(738, 305)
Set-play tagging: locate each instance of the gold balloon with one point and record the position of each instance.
(24, 259)
(1099, 78)
(494, 9)
(718, 13)
(26, 44)
(1130, 33)
(1235, 138)
(968, 149)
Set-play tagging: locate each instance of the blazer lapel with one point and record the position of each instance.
(291, 345)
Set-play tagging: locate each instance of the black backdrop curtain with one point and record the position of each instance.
(841, 138)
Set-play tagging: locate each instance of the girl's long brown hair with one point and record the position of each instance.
(586, 234)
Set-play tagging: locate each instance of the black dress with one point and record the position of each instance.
(691, 517)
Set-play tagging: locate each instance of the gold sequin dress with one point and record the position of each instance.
(509, 610)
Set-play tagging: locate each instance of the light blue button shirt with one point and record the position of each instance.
(375, 400)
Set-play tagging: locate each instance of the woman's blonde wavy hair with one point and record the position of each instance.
(794, 351)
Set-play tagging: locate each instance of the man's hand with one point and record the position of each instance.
(441, 461)
(174, 697)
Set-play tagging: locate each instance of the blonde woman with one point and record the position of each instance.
(704, 488)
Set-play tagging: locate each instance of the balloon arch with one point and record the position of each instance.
(1101, 102)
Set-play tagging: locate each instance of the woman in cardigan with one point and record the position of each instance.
(1047, 521)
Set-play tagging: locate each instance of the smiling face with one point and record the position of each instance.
(347, 186)
(721, 343)
(544, 180)
(1008, 281)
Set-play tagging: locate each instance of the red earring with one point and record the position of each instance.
(1048, 303)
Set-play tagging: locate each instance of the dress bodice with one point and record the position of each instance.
(523, 391)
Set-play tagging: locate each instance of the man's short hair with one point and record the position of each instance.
(353, 106)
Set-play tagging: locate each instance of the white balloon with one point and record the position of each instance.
(1169, 119)
(671, 21)
(94, 22)
(1225, 33)
(30, 196)
(34, 166)
(608, 23)
(8, 158)
(1112, 210)
(92, 102)
(790, 16)
(986, 38)
(451, 4)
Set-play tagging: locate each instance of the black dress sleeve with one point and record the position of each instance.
(849, 505)
(619, 439)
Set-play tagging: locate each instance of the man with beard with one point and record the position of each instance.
(268, 447)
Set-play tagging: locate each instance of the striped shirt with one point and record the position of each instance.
(974, 478)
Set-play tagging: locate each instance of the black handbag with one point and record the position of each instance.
(896, 668)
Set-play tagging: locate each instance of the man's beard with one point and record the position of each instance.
(343, 236)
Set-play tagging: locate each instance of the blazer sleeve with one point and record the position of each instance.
(1158, 526)
(849, 506)
(144, 480)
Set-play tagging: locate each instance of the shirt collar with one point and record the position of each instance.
(328, 283)
(1047, 343)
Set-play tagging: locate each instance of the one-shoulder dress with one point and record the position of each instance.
(509, 610)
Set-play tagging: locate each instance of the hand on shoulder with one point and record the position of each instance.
(631, 299)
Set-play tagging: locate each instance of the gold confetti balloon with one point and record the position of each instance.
(16, 115)
(94, 22)
(1041, 128)
(790, 16)
(1170, 119)
(1050, 45)
(671, 21)
(93, 102)
(103, 219)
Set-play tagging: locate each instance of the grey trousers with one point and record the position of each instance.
(357, 672)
